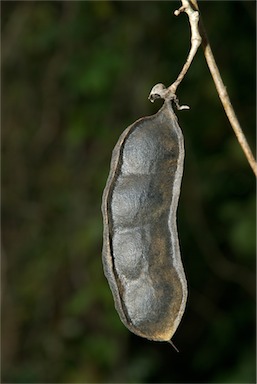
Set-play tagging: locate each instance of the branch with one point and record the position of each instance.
(198, 36)
(223, 95)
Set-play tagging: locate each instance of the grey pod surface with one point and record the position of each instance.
(141, 255)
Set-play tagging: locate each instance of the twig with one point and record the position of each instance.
(196, 40)
(159, 90)
(223, 95)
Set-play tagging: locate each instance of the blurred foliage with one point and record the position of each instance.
(74, 75)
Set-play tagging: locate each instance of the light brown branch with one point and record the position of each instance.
(198, 35)
(223, 95)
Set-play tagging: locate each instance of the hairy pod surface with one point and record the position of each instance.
(141, 255)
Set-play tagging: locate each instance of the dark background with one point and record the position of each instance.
(74, 75)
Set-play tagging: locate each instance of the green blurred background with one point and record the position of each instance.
(74, 75)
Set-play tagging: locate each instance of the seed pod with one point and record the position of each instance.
(141, 255)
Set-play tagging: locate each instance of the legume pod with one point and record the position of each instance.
(141, 255)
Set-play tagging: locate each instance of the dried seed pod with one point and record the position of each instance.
(141, 255)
